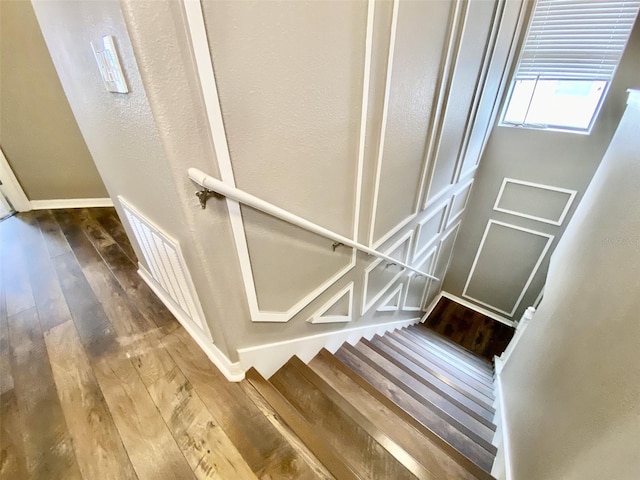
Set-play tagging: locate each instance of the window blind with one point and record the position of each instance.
(576, 39)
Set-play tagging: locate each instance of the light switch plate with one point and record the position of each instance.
(109, 65)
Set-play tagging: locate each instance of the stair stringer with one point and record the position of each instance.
(269, 357)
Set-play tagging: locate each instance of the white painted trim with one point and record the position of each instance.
(71, 203)
(231, 370)
(384, 305)
(268, 358)
(572, 194)
(462, 189)
(522, 325)
(479, 90)
(531, 276)
(442, 208)
(383, 123)
(318, 316)
(477, 308)
(435, 135)
(431, 258)
(11, 186)
(200, 43)
(431, 307)
(367, 305)
(503, 442)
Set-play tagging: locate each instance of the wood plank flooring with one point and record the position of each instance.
(98, 380)
(472, 330)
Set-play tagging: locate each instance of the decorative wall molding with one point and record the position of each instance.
(383, 132)
(444, 90)
(320, 317)
(442, 210)
(463, 192)
(268, 358)
(71, 203)
(231, 370)
(200, 43)
(531, 276)
(479, 90)
(430, 259)
(367, 305)
(393, 300)
(558, 221)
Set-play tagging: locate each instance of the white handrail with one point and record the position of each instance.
(215, 185)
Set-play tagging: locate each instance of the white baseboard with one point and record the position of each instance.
(71, 203)
(478, 309)
(501, 469)
(231, 370)
(268, 358)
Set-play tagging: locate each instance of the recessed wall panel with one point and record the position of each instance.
(289, 77)
(539, 202)
(288, 262)
(422, 30)
(505, 263)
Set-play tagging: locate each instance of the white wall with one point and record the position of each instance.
(572, 386)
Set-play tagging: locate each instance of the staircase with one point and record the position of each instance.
(409, 404)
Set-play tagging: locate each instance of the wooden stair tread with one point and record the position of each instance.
(330, 458)
(453, 347)
(425, 390)
(359, 442)
(443, 358)
(466, 451)
(432, 361)
(443, 352)
(386, 416)
(450, 381)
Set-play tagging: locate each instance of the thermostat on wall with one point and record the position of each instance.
(109, 64)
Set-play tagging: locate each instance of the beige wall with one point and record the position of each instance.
(572, 386)
(557, 159)
(38, 132)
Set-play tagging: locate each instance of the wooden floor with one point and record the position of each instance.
(472, 330)
(99, 381)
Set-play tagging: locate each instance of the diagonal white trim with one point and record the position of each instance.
(572, 194)
(320, 317)
(453, 50)
(441, 210)
(429, 258)
(529, 280)
(467, 186)
(395, 295)
(367, 305)
(199, 40)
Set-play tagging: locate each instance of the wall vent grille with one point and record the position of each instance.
(166, 263)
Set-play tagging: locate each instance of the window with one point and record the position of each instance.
(568, 59)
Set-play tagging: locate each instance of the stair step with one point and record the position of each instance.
(421, 359)
(462, 351)
(481, 372)
(368, 450)
(442, 429)
(452, 361)
(451, 371)
(330, 458)
(386, 415)
(447, 404)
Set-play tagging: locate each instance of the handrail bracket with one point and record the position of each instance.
(204, 195)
